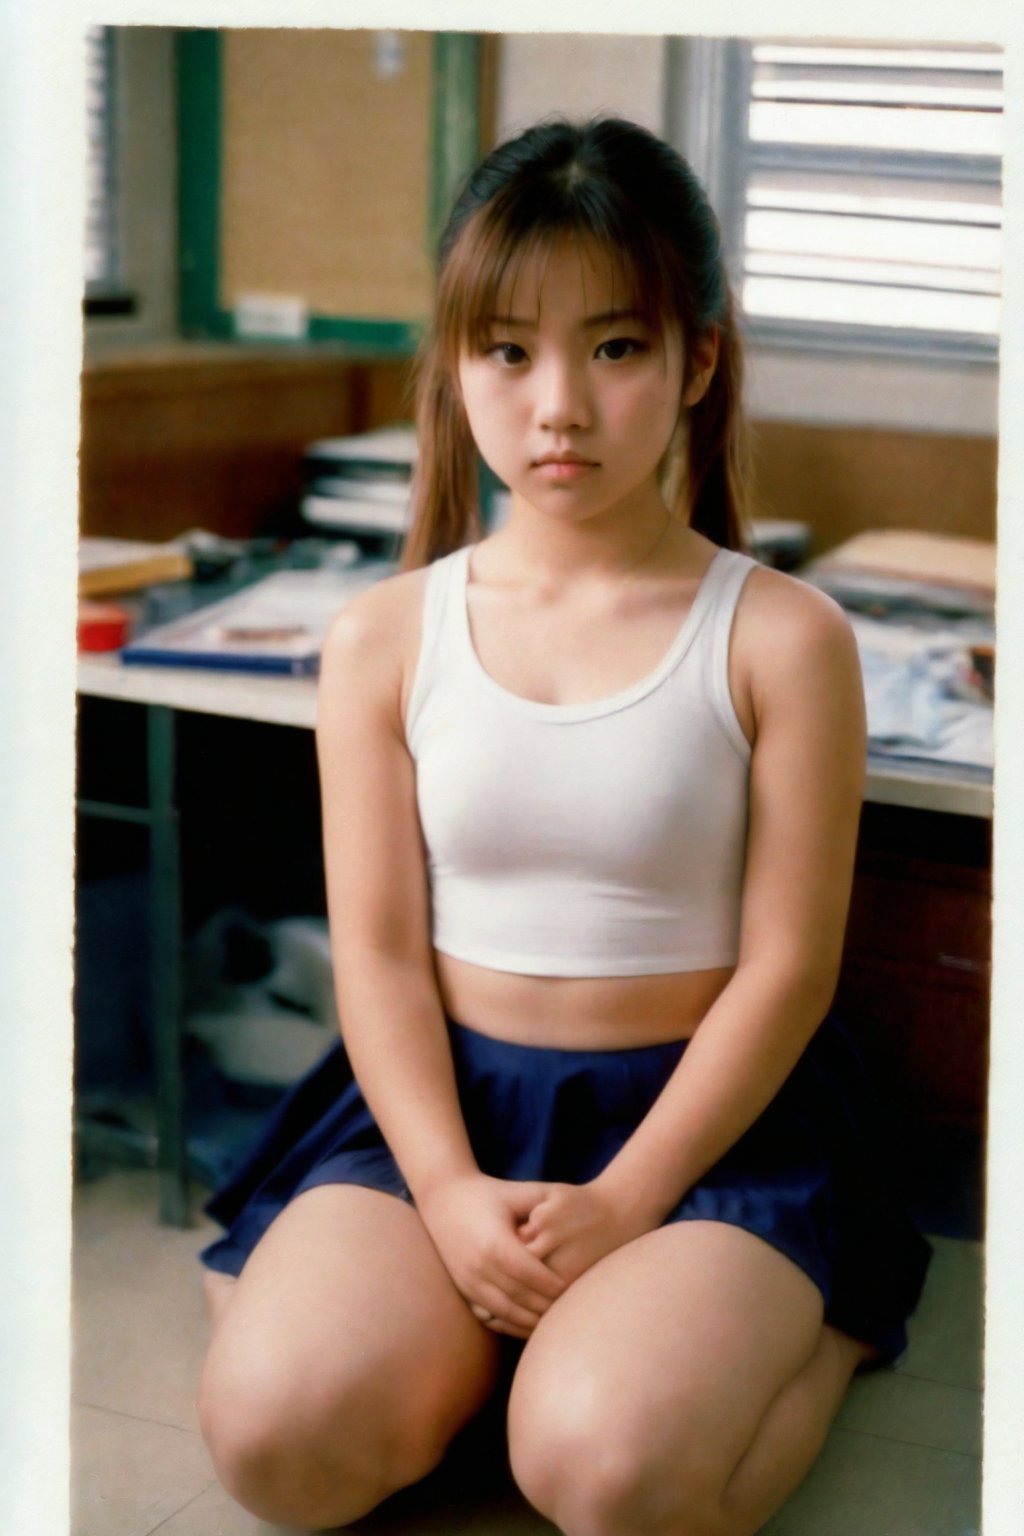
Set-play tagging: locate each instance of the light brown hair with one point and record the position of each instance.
(611, 182)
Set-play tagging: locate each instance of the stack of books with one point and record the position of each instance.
(904, 571)
(361, 484)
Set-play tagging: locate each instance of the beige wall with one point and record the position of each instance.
(841, 480)
(579, 75)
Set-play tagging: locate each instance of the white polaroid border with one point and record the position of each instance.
(41, 206)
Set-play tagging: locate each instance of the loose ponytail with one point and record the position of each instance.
(717, 469)
(445, 512)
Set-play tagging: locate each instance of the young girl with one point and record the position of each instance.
(591, 787)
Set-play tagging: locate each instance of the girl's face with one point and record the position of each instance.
(571, 399)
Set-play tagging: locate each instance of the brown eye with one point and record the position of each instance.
(620, 347)
(507, 352)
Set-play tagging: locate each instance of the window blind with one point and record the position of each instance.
(102, 265)
(871, 194)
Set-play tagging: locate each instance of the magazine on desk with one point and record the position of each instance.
(922, 700)
(277, 625)
(922, 607)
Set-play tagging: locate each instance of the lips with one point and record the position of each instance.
(556, 470)
(565, 458)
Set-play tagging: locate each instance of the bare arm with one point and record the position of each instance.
(806, 786)
(377, 896)
(392, 1018)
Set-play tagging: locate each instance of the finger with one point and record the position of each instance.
(496, 1324)
(529, 1228)
(567, 1264)
(516, 1316)
(541, 1210)
(525, 1195)
(525, 1270)
(531, 1301)
(524, 1294)
(543, 1245)
(504, 1310)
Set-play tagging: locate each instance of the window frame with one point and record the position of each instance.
(709, 90)
(144, 131)
(108, 294)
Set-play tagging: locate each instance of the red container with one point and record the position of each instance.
(101, 626)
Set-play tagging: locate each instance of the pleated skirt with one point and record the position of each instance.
(813, 1176)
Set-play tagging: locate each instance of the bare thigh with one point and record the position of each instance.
(343, 1357)
(649, 1382)
(217, 1292)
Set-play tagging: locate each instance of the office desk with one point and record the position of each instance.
(288, 701)
(162, 692)
(292, 701)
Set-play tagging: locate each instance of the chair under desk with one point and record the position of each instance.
(164, 692)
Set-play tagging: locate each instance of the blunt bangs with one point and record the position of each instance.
(525, 223)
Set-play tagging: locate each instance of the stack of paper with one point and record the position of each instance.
(948, 559)
(914, 685)
(892, 569)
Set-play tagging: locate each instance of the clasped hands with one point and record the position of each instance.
(512, 1247)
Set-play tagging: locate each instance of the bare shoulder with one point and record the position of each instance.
(372, 643)
(783, 619)
(789, 607)
(793, 655)
(379, 614)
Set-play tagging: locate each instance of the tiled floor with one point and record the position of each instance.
(903, 1459)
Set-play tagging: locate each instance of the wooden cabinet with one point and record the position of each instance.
(914, 988)
(196, 435)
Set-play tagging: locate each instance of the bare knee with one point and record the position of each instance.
(307, 1454)
(593, 1474)
(588, 1489)
(618, 1491)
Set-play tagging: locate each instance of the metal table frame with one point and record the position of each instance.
(160, 816)
(162, 693)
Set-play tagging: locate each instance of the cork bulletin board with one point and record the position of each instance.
(316, 167)
(326, 170)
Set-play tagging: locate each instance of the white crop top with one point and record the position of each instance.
(598, 839)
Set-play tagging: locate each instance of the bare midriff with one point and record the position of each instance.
(599, 1013)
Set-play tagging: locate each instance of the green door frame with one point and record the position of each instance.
(454, 149)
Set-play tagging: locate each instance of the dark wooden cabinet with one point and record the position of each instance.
(194, 435)
(914, 987)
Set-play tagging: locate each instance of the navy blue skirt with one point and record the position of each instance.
(812, 1176)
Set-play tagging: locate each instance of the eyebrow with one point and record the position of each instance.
(589, 322)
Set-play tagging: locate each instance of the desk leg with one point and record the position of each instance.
(166, 966)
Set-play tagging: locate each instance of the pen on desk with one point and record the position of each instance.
(245, 632)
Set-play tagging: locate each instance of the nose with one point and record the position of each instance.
(563, 395)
